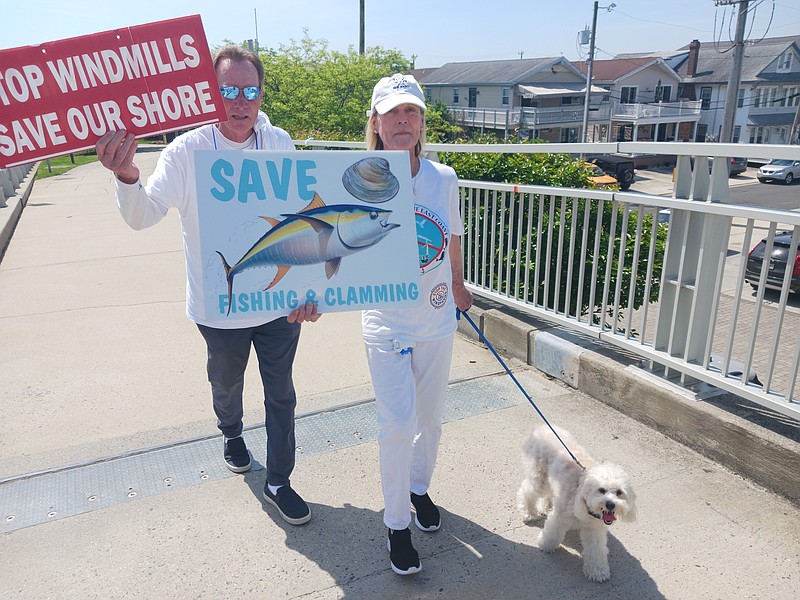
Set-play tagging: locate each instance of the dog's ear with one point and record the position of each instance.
(630, 513)
(583, 489)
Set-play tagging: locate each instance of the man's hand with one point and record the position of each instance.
(115, 151)
(308, 312)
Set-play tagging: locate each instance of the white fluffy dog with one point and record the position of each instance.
(587, 500)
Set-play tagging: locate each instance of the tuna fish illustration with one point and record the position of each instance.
(316, 234)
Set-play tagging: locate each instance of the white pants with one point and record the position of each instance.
(410, 390)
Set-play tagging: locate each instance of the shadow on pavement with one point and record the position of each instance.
(461, 561)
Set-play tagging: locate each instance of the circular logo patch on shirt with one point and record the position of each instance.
(431, 239)
(439, 295)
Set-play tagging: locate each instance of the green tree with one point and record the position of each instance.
(312, 91)
(438, 123)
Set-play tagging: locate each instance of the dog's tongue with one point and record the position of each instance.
(608, 518)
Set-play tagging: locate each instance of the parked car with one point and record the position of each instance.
(736, 166)
(620, 168)
(778, 262)
(598, 177)
(779, 169)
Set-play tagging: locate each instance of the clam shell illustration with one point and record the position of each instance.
(371, 180)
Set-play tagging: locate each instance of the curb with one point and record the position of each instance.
(10, 214)
(763, 448)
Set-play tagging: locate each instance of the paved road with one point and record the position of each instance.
(745, 189)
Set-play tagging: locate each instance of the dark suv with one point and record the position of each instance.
(779, 262)
(620, 168)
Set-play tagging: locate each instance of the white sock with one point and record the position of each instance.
(273, 489)
(227, 439)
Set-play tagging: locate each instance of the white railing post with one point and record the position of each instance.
(691, 276)
(6, 184)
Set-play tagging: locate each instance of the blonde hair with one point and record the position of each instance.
(374, 141)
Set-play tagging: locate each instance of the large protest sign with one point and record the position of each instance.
(280, 228)
(60, 97)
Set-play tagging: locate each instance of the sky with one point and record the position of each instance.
(428, 32)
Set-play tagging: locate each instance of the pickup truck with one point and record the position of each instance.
(619, 167)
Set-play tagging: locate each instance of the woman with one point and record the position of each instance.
(409, 349)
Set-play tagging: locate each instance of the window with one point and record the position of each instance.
(785, 62)
(768, 97)
(756, 135)
(569, 135)
(627, 95)
(455, 95)
(740, 103)
(705, 97)
(757, 98)
(737, 131)
(702, 129)
(505, 96)
(565, 100)
(662, 93)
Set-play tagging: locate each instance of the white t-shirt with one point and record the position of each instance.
(436, 207)
(172, 185)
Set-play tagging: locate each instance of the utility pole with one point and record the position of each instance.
(795, 125)
(255, 16)
(735, 79)
(361, 30)
(589, 66)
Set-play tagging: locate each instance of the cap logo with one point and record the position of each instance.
(400, 83)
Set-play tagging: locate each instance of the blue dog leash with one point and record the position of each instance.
(514, 379)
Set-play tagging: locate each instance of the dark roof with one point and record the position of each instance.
(788, 39)
(715, 61)
(772, 119)
(421, 74)
(497, 72)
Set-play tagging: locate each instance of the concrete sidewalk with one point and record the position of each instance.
(112, 483)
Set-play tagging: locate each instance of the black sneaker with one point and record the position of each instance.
(237, 457)
(426, 515)
(292, 507)
(402, 555)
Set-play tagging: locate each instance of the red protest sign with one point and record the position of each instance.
(60, 97)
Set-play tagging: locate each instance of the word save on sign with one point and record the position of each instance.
(62, 96)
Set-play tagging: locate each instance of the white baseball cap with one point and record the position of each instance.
(393, 91)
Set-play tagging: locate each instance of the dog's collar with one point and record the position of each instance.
(594, 514)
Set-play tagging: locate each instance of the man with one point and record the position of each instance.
(172, 185)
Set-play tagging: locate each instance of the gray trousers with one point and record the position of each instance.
(275, 344)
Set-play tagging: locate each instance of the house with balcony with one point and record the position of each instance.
(641, 100)
(537, 97)
(768, 105)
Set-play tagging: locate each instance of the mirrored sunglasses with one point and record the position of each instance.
(231, 92)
